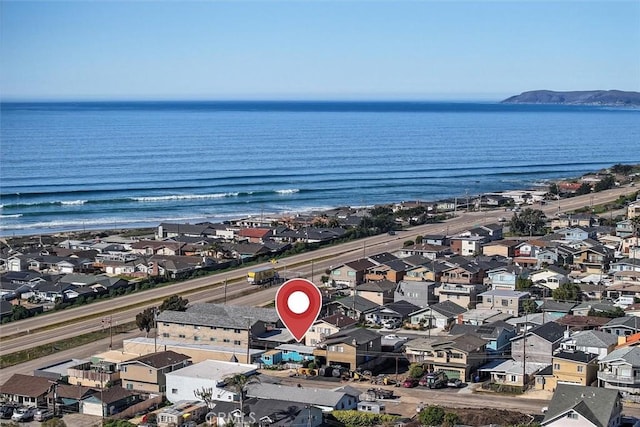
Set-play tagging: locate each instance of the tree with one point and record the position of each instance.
(583, 189)
(240, 383)
(416, 370)
(529, 306)
(174, 303)
(206, 395)
(523, 283)
(19, 312)
(566, 292)
(418, 240)
(605, 183)
(621, 169)
(528, 222)
(432, 415)
(145, 320)
(553, 189)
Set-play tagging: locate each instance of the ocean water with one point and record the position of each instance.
(75, 166)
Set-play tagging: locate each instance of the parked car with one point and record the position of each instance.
(391, 324)
(23, 414)
(410, 383)
(455, 383)
(43, 415)
(6, 410)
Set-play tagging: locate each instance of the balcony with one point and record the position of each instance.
(616, 378)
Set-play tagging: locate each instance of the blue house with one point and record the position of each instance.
(271, 358)
(295, 353)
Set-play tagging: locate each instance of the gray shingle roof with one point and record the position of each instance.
(593, 338)
(361, 304)
(596, 404)
(630, 355)
(360, 335)
(448, 309)
(219, 315)
(314, 396)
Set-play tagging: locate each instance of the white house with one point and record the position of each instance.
(209, 375)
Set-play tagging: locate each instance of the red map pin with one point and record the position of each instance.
(298, 303)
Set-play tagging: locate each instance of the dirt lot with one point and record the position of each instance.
(486, 416)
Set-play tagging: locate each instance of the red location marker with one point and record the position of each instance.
(298, 303)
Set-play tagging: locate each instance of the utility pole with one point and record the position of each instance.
(155, 329)
(225, 290)
(248, 338)
(524, 352)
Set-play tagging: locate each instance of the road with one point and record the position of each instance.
(28, 333)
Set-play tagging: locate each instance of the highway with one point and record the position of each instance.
(52, 327)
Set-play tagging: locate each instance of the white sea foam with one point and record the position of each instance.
(11, 216)
(288, 191)
(73, 202)
(183, 197)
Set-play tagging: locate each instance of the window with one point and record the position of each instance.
(236, 342)
(556, 366)
(513, 378)
(174, 391)
(129, 386)
(182, 336)
(196, 338)
(226, 340)
(505, 303)
(237, 331)
(196, 327)
(580, 368)
(165, 335)
(351, 273)
(572, 415)
(213, 339)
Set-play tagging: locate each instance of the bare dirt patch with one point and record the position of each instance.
(486, 416)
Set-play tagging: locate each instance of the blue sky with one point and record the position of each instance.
(426, 50)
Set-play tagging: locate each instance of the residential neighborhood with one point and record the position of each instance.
(475, 312)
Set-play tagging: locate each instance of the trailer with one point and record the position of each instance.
(262, 276)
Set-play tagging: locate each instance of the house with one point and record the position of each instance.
(620, 370)
(583, 406)
(505, 301)
(355, 307)
(482, 316)
(511, 372)
(624, 264)
(595, 259)
(557, 307)
(292, 353)
(393, 271)
(430, 251)
(351, 273)
(505, 248)
(570, 367)
(624, 228)
(91, 374)
(550, 277)
(467, 245)
(25, 390)
(439, 315)
(497, 335)
(147, 373)
(458, 356)
(582, 323)
(506, 277)
(538, 344)
(350, 348)
(633, 210)
(282, 413)
(108, 402)
(210, 375)
(231, 326)
(380, 292)
(398, 312)
(462, 294)
(182, 412)
(622, 326)
(591, 341)
(420, 293)
(325, 399)
(326, 326)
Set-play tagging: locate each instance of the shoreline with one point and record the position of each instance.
(145, 229)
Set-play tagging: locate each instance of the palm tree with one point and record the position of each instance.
(241, 382)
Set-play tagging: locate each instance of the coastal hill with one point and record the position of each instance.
(587, 97)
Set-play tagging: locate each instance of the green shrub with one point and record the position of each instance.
(351, 418)
(431, 416)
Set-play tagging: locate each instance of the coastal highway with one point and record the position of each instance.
(49, 328)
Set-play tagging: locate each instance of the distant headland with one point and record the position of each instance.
(617, 98)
